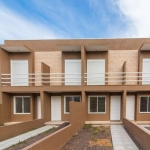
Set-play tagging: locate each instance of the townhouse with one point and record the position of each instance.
(110, 76)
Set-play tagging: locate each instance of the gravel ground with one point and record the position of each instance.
(134, 140)
(32, 140)
(91, 138)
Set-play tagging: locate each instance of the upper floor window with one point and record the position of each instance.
(19, 72)
(146, 71)
(73, 72)
(95, 71)
(97, 104)
(68, 99)
(145, 104)
(22, 104)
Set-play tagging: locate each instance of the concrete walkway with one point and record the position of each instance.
(7, 143)
(120, 139)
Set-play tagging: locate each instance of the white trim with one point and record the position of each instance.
(14, 102)
(72, 100)
(147, 105)
(97, 105)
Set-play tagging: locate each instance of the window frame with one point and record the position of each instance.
(97, 104)
(72, 100)
(14, 102)
(148, 112)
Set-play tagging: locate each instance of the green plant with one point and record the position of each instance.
(50, 130)
(95, 132)
(95, 128)
(87, 126)
(94, 139)
(22, 142)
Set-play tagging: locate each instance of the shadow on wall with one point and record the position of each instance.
(1, 117)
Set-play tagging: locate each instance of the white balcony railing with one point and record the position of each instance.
(108, 78)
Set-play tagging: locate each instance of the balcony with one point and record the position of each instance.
(75, 79)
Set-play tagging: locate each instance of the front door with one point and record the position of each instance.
(55, 108)
(115, 108)
(130, 107)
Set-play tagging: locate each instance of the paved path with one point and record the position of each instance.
(120, 139)
(22, 137)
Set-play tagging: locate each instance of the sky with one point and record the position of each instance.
(67, 19)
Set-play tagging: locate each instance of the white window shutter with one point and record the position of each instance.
(19, 72)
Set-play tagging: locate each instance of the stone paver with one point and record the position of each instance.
(120, 139)
(7, 143)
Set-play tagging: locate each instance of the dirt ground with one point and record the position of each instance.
(91, 138)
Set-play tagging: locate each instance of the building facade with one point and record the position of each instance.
(110, 76)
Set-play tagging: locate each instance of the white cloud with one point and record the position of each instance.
(13, 26)
(136, 14)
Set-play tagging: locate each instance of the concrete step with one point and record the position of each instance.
(142, 122)
(56, 123)
(104, 122)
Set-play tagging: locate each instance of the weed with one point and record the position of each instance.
(95, 128)
(87, 126)
(22, 142)
(95, 132)
(50, 130)
(94, 139)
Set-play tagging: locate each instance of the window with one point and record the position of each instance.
(21, 104)
(68, 99)
(145, 104)
(97, 104)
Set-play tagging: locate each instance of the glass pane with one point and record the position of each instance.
(18, 104)
(77, 98)
(26, 104)
(143, 105)
(149, 105)
(93, 104)
(68, 99)
(101, 104)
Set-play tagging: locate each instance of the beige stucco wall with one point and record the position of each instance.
(52, 59)
(116, 60)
